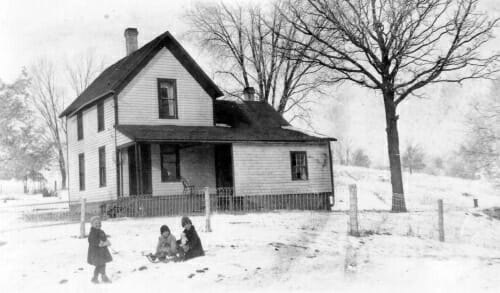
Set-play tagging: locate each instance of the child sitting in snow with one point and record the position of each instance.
(166, 247)
(98, 253)
(190, 241)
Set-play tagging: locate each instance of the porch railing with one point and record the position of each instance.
(221, 200)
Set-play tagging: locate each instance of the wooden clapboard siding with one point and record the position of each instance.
(197, 165)
(89, 145)
(266, 169)
(121, 139)
(138, 102)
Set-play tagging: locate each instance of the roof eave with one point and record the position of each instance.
(70, 113)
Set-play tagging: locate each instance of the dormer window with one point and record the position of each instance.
(167, 98)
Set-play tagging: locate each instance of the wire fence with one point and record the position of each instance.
(429, 217)
(461, 222)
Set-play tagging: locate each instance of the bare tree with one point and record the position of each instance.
(413, 157)
(482, 150)
(344, 150)
(246, 42)
(82, 69)
(361, 159)
(395, 47)
(48, 100)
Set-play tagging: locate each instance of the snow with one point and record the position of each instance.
(292, 251)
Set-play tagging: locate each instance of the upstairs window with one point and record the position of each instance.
(299, 165)
(102, 166)
(81, 171)
(167, 98)
(100, 116)
(79, 125)
(169, 163)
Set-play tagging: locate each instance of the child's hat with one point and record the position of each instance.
(164, 228)
(94, 218)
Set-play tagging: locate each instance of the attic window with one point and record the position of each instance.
(167, 98)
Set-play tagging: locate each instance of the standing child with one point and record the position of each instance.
(98, 254)
(167, 246)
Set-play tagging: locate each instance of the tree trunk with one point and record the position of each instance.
(398, 199)
(62, 168)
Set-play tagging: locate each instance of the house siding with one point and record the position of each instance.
(89, 145)
(138, 101)
(266, 169)
(121, 139)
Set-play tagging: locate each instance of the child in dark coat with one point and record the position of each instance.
(190, 242)
(98, 254)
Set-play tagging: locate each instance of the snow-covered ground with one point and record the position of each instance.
(288, 250)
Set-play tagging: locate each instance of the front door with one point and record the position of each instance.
(223, 166)
(140, 168)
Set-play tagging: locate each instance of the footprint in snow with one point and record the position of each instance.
(63, 281)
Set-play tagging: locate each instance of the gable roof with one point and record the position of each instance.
(117, 76)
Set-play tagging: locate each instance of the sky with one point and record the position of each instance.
(64, 29)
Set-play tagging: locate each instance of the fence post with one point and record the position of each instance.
(208, 228)
(353, 211)
(83, 203)
(476, 204)
(440, 220)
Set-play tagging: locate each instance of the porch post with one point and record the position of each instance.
(137, 174)
(331, 174)
(121, 172)
(118, 172)
(141, 183)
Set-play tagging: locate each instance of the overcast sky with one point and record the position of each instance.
(62, 29)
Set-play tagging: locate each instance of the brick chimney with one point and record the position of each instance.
(249, 94)
(131, 39)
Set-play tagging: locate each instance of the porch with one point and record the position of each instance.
(149, 169)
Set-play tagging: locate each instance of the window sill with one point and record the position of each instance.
(171, 181)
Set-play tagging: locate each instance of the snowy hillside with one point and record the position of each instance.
(287, 250)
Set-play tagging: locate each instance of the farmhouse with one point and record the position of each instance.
(154, 125)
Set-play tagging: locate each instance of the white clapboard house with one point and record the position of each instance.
(153, 125)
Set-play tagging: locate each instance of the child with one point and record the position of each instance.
(166, 245)
(98, 254)
(190, 242)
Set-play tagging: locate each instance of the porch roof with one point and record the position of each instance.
(173, 133)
